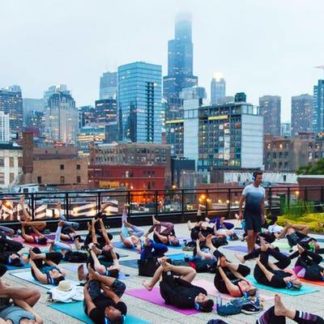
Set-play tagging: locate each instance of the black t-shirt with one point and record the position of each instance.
(178, 292)
(277, 280)
(98, 313)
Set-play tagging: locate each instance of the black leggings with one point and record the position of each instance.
(269, 317)
(220, 283)
(9, 245)
(310, 262)
(283, 262)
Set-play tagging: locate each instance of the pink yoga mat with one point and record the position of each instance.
(21, 240)
(154, 297)
(211, 290)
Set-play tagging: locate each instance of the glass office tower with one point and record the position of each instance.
(139, 102)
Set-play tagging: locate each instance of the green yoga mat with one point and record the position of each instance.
(281, 245)
(291, 292)
(76, 311)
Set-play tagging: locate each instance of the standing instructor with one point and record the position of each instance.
(253, 196)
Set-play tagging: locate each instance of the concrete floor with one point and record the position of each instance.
(155, 314)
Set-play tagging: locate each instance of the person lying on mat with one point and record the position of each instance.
(111, 270)
(229, 277)
(16, 304)
(163, 232)
(308, 264)
(104, 247)
(102, 299)
(44, 267)
(152, 249)
(26, 217)
(279, 312)
(13, 259)
(274, 274)
(35, 236)
(298, 234)
(130, 234)
(176, 287)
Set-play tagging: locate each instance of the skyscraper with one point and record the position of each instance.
(105, 111)
(108, 85)
(11, 103)
(318, 107)
(4, 127)
(31, 106)
(180, 62)
(62, 118)
(270, 108)
(217, 89)
(139, 102)
(301, 114)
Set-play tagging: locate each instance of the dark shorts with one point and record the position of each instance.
(118, 288)
(252, 222)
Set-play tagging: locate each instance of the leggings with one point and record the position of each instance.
(283, 262)
(307, 266)
(55, 257)
(269, 317)
(163, 228)
(133, 230)
(9, 245)
(57, 241)
(153, 250)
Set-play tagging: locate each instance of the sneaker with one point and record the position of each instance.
(250, 308)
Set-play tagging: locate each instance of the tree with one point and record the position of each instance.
(312, 168)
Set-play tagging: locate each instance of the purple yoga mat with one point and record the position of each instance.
(237, 248)
(154, 297)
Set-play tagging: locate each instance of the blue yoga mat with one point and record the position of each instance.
(237, 248)
(76, 311)
(11, 267)
(291, 292)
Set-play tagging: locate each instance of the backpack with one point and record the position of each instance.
(147, 267)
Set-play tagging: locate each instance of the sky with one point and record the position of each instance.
(262, 47)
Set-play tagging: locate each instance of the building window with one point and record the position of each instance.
(20, 162)
(62, 180)
(11, 162)
(1, 162)
(11, 177)
(62, 167)
(78, 179)
(78, 167)
(39, 180)
(2, 178)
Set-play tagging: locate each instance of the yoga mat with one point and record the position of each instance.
(317, 283)
(291, 292)
(282, 245)
(76, 311)
(211, 290)
(21, 240)
(27, 276)
(237, 248)
(11, 267)
(120, 245)
(155, 298)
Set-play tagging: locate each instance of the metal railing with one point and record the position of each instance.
(84, 204)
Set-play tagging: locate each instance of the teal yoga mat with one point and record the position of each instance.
(291, 292)
(76, 311)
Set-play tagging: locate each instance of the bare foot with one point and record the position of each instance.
(240, 258)
(147, 285)
(32, 254)
(279, 308)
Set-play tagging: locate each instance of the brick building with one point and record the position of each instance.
(289, 154)
(112, 165)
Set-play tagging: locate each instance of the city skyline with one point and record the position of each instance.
(265, 51)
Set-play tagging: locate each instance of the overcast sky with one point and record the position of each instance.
(261, 46)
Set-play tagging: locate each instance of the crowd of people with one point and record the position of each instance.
(99, 267)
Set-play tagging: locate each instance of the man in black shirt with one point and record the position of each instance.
(102, 299)
(176, 288)
(274, 274)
